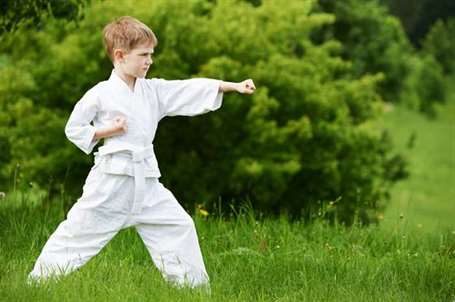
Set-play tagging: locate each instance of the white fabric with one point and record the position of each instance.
(138, 156)
(123, 189)
(151, 100)
(105, 208)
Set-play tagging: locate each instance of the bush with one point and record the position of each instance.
(302, 140)
(376, 44)
(440, 43)
(425, 87)
(373, 40)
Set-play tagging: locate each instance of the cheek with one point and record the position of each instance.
(134, 60)
(137, 64)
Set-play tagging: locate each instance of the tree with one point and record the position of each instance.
(376, 44)
(419, 16)
(13, 12)
(440, 43)
(302, 140)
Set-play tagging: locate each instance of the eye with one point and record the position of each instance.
(146, 55)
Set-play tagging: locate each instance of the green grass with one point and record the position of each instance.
(427, 198)
(404, 259)
(247, 260)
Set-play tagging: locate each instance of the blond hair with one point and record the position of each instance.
(126, 33)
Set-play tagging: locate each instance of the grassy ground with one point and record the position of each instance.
(404, 259)
(247, 260)
(427, 198)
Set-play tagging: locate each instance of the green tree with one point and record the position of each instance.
(376, 44)
(419, 16)
(373, 40)
(13, 12)
(303, 139)
(440, 43)
(425, 86)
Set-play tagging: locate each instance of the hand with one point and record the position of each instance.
(120, 125)
(246, 86)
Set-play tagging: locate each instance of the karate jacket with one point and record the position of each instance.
(152, 99)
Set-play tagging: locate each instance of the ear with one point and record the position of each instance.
(119, 54)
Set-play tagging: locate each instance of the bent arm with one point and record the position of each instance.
(118, 127)
(106, 132)
(79, 129)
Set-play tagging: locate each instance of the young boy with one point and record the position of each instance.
(122, 188)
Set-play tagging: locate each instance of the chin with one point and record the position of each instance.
(141, 75)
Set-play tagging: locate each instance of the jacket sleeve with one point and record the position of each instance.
(79, 129)
(188, 97)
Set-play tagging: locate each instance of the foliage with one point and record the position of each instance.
(302, 140)
(440, 42)
(31, 12)
(425, 87)
(373, 40)
(419, 16)
(376, 43)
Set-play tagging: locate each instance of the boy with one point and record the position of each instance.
(122, 188)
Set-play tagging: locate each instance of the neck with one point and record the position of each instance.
(128, 79)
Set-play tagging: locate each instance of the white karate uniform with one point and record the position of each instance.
(122, 188)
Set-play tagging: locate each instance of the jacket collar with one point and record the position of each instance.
(121, 84)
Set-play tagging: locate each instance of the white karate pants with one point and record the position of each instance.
(104, 209)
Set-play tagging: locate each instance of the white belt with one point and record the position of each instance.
(138, 155)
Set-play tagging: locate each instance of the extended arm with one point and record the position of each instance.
(246, 86)
(195, 96)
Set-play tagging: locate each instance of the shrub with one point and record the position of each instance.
(302, 140)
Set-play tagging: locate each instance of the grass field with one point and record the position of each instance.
(247, 260)
(427, 198)
(403, 259)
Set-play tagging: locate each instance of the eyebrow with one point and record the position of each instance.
(146, 52)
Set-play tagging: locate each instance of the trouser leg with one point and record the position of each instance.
(91, 223)
(170, 236)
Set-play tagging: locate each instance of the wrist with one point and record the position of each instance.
(229, 86)
(108, 132)
(236, 87)
(115, 128)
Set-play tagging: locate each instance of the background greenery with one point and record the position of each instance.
(353, 119)
(408, 257)
(305, 139)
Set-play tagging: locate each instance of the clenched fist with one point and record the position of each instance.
(246, 86)
(120, 125)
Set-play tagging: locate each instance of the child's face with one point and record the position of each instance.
(137, 61)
